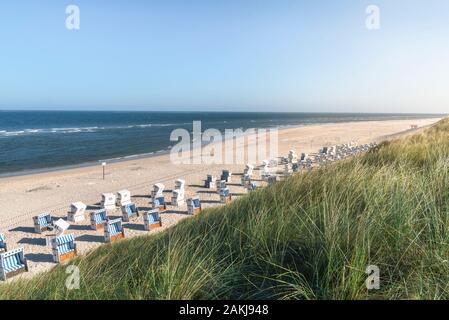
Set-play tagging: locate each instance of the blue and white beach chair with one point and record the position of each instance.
(225, 195)
(159, 203)
(221, 185)
(193, 205)
(113, 230)
(98, 218)
(226, 175)
(129, 212)
(63, 247)
(12, 263)
(252, 186)
(43, 222)
(210, 182)
(152, 220)
(3, 246)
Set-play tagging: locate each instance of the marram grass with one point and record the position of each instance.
(309, 237)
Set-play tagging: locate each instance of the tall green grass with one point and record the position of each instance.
(309, 237)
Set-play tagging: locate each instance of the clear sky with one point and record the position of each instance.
(248, 55)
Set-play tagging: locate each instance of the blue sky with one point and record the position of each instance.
(246, 55)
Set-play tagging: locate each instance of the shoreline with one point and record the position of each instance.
(128, 158)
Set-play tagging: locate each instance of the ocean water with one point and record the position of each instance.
(40, 140)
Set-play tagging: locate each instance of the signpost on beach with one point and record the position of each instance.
(103, 164)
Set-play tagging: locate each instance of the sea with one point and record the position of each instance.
(35, 141)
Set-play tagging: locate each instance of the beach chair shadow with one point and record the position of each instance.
(33, 241)
(141, 196)
(23, 229)
(206, 191)
(196, 185)
(39, 257)
(237, 194)
(80, 227)
(134, 226)
(144, 208)
(93, 207)
(175, 212)
(210, 201)
(167, 191)
(90, 238)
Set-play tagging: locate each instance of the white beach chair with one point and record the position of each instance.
(77, 212)
(123, 198)
(211, 182)
(158, 190)
(60, 226)
(287, 169)
(226, 175)
(177, 198)
(179, 184)
(293, 158)
(249, 169)
(108, 201)
(265, 173)
(273, 163)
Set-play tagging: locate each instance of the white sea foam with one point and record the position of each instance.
(31, 131)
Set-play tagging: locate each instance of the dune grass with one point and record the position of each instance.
(309, 237)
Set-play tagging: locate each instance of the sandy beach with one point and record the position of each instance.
(23, 197)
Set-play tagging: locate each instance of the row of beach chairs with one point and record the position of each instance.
(63, 245)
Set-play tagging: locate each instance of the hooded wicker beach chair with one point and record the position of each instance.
(76, 212)
(43, 222)
(211, 182)
(193, 205)
(113, 230)
(177, 198)
(3, 245)
(225, 195)
(152, 220)
(12, 263)
(123, 198)
(97, 219)
(129, 212)
(63, 247)
(226, 175)
(108, 201)
(159, 203)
